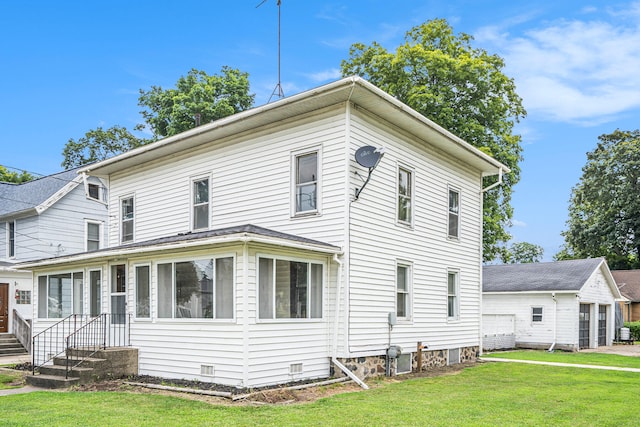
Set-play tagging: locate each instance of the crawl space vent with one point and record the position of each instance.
(207, 370)
(295, 368)
(454, 356)
(403, 364)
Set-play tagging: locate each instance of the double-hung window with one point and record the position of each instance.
(536, 314)
(306, 182)
(201, 289)
(12, 239)
(452, 294)
(93, 236)
(143, 291)
(93, 190)
(405, 195)
(454, 214)
(126, 219)
(200, 217)
(289, 289)
(60, 295)
(403, 291)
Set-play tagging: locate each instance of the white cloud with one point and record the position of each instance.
(517, 223)
(572, 70)
(323, 76)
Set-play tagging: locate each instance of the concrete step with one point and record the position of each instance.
(8, 340)
(51, 381)
(86, 362)
(84, 375)
(15, 343)
(13, 350)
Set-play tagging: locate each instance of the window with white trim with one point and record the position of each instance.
(60, 295)
(12, 239)
(289, 289)
(93, 236)
(93, 190)
(143, 291)
(200, 205)
(403, 291)
(23, 297)
(452, 294)
(306, 183)
(95, 292)
(454, 214)
(200, 289)
(126, 219)
(536, 314)
(405, 195)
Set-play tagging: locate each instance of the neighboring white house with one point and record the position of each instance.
(567, 305)
(245, 258)
(55, 215)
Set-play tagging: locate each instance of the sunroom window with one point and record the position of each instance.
(59, 295)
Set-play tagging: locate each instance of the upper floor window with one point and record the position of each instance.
(201, 289)
(405, 195)
(536, 314)
(12, 239)
(200, 205)
(126, 219)
(403, 289)
(94, 191)
(454, 213)
(93, 236)
(452, 294)
(306, 182)
(289, 289)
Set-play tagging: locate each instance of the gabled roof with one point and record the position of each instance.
(628, 282)
(236, 234)
(556, 276)
(34, 197)
(351, 89)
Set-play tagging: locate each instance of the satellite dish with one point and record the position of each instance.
(368, 156)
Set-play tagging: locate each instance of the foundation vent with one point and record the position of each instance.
(403, 363)
(295, 368)
(454, 356)
(207, 370)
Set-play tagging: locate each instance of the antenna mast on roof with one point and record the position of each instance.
(277, 91)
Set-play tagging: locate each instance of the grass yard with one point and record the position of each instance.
(486, 394)
(9, 378)
(600, 359)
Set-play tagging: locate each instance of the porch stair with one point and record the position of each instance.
(9, 345)
(92, 366)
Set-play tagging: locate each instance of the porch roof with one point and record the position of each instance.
(241, 233)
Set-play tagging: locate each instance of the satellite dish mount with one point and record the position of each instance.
(368, 157)
(277, 91)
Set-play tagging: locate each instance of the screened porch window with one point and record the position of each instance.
(200, 289)
(60, 295)
(289, 289)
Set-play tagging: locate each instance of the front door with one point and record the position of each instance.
(584, 326)
(602, 325)
(4, 307)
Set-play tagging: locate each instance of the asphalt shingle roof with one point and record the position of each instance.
(628, 282)
(540, 276)
(20, 197)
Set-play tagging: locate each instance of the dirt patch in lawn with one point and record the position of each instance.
(280, 395)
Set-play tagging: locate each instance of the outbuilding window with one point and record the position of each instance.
(536, 314)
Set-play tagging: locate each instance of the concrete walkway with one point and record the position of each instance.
(569, 365)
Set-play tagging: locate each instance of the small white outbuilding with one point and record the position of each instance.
(568, 305)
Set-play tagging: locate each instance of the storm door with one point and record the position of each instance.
(4, 307)
(584, 326)
(602, 325)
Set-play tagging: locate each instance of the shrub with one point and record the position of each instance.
(634, 330)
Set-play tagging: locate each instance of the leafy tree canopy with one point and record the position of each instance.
(463, 89)
(171, 111)
(97, 145)
(522, 253)
(14, 177)
(604, 210)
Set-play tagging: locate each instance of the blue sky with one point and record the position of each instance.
(70, 66)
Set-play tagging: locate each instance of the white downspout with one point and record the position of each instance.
(555, 327)
(334, 358)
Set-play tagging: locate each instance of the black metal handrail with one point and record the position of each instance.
(100, 332)
(77, 331)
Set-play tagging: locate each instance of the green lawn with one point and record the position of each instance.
(569, 357)
(8, 377)
(485, 395)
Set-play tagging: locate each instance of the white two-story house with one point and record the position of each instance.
(259, 249)
(56, 215)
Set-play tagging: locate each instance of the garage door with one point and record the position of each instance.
(602, 325)
(584, 326)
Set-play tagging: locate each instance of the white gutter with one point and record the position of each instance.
(245, 237)
(334, 358)
(555, 326)
(495, 184)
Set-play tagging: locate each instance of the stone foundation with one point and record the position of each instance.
(373, 366)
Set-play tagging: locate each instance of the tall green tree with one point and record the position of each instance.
(16, 177)
(522, 253)
(604, 210)
(211, 97)
(99, 144)
(463, 89)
